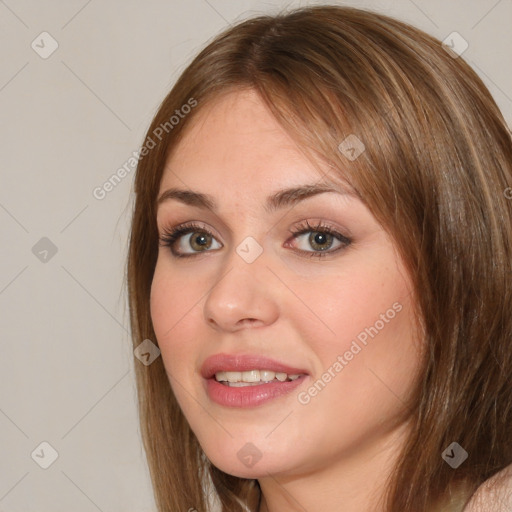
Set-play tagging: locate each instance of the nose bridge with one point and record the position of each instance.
(249, 235)
(242, 291)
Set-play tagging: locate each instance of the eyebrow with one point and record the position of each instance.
(278, 200)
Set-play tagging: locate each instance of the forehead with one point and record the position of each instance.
(235, 141)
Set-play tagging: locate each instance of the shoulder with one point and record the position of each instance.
(494, 495)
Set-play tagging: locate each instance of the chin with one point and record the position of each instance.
(246, 460)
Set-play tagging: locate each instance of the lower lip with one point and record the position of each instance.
(249, 396)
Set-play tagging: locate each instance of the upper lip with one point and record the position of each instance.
(244, 362)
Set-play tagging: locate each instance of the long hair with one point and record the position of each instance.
(435, 172)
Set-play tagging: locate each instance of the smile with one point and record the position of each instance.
(253, 377)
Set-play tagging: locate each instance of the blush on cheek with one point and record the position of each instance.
(170, 301)
(175, 317)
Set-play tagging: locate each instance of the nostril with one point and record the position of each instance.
(249, 321)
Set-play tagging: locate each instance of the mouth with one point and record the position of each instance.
(254, 377)
(242, 380)
(248, 368)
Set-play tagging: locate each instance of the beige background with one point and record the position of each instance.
(69, 121)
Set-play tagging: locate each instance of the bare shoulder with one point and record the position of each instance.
(494, 495)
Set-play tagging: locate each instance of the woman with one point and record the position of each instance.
(321, 249)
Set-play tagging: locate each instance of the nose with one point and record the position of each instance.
(243, 295)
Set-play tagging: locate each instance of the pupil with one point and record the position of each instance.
(320, 239)
(200, 241)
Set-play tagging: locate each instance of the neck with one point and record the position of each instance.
(353, 483)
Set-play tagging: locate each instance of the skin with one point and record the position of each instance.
(494, 495)
(335, 452)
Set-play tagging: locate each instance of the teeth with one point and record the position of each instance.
(234, 376)
(253, 376)
(267, 375)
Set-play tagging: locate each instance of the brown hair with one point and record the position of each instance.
(436, 165)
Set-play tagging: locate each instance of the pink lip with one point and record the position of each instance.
(243, 363)
(249, 396)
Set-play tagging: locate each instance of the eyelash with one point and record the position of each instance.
(170, 236)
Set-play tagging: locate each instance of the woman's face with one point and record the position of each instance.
(342, 321)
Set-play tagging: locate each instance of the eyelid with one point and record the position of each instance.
(171, 235)
(320, 227)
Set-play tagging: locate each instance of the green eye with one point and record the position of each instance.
(321, 238)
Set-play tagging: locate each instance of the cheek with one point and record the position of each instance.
(365, 317)
(363, 393)
(172, 298)
(353, 303)
(174, 313)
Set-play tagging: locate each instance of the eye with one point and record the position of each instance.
(321, 239)
(199, 241)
